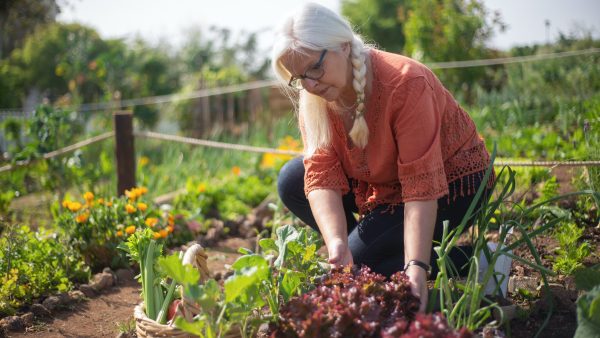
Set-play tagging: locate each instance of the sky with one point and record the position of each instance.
(154, 20)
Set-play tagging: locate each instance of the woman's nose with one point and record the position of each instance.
(309, 83)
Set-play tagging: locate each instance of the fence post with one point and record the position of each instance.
(124, 150)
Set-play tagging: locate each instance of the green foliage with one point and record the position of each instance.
(450, 30)
(571, 254)
(588, 314)
(258, 281)
(35, 264)
(587, 278)
(96, 226)
(227, 197)
(379, 21)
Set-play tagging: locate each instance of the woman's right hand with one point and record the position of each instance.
(339, 253)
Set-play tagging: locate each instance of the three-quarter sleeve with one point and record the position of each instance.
(417, 132)
(323, 169)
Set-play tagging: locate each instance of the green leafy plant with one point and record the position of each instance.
(570, 255)
(588, 314)
(34, 264)
(144, 250)
(97, 226)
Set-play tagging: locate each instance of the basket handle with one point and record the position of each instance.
(196, 256)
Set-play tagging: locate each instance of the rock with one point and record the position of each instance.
(509, 312)
(40, 311)
(13, 323)
(27, 319)
(102, 281)
(64, 298)
(76, 295)
(522, 282)
(124, 275)
(87, 290)
(564, 299)
(51, 303)
(263, 331)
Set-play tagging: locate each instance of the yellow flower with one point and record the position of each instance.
(89, 197)
(130, 229)
(65, 203)
(108, 204)
(497, 212)
(201, 187)
(151, 221)
(170, 229)
(82, 218)
(143, 190)
(74, 206)
(236, 170)
(493, 220)
(142, 206)
(119, 233)
(130, 209)
(268, 160)
(163, 233)
(156, 235)
(133, 194)
(101, 201)
(144, 160)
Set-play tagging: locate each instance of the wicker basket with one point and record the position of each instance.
(148, 328)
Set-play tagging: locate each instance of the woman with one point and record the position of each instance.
(382, 138)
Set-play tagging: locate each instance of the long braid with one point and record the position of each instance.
(360, 131)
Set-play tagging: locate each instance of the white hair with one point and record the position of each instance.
(314, 27)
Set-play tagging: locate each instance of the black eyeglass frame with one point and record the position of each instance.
(316, 66)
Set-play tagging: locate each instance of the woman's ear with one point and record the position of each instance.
(347, 48)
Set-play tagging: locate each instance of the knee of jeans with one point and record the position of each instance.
(290, 181)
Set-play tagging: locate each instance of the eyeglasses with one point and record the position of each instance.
(314, 73)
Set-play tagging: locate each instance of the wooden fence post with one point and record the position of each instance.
(124, 150)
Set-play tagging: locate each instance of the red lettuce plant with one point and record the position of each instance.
(355, 302)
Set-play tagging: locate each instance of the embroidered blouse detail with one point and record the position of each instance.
(420, 140)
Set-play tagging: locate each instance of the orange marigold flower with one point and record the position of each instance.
(201, 187)
(89, 197)
(65, 203)
(236, 170)
(74, 206)
(132, 194)
(170, 229)
(151, 221)
(142, 206)
(101, 201)
(163, 233)
(119, 233)
(130, 209)
(82, 218)
(156, 235)
(143, 190)
(130, 229)
(108, 204)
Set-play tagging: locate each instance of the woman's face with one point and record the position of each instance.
(337, 72)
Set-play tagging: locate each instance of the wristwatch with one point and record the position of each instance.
(420, 264)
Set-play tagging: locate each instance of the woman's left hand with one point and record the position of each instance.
(418, 284)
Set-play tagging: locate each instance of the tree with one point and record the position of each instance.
(379, 21)
(18, 18)
(451, 30)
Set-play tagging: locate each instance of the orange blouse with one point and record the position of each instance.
(420, 140)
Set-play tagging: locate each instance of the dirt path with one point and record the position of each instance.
(111, 313)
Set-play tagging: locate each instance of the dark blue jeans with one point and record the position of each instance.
(377, 240)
